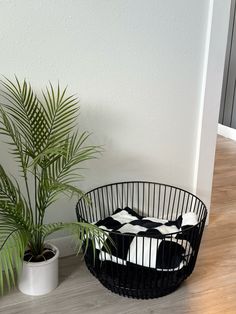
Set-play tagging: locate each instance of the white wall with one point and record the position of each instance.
(137, 67)
(219, 14)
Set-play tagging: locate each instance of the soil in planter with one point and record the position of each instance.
(45, 256)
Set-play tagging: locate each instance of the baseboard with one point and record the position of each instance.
(227, 132)
(66, 245)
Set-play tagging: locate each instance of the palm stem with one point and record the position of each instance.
(9, 235)
(37, 215)
(35, 197)
(27, 191)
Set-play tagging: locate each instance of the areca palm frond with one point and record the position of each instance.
(45, 124)
(62, 112)
(14, 140)
(40, 130)
(82, 233)
(27, 113)
(13, 206)
(16, 221)
(63, 171)
(13, 242)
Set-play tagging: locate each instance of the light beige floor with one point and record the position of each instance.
(210, 289)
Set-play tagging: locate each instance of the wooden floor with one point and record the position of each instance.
(210, 289)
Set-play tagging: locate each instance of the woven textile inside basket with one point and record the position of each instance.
(146, 241)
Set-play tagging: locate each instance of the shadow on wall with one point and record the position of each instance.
(125, 156)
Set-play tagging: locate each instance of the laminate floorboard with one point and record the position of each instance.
(211, 289)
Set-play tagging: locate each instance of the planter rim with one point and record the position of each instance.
(38, 264)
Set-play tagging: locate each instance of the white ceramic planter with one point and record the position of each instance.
(39, 278)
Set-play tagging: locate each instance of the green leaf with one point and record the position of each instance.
(13, 243)
(13, 206)
(27, 113)
(82, 232)
(19, 147)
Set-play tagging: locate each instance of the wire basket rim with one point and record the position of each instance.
(167, 235)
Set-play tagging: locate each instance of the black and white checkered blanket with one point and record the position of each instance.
(159, 245)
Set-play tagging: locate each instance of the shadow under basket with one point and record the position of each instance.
(137, 277)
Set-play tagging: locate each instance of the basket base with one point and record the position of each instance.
(138, 293)
(133, 292)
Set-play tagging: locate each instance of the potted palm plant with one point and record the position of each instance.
(40, 130)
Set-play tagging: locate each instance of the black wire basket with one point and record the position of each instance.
(133, 274)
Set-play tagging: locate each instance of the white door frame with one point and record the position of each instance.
(216, 42)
